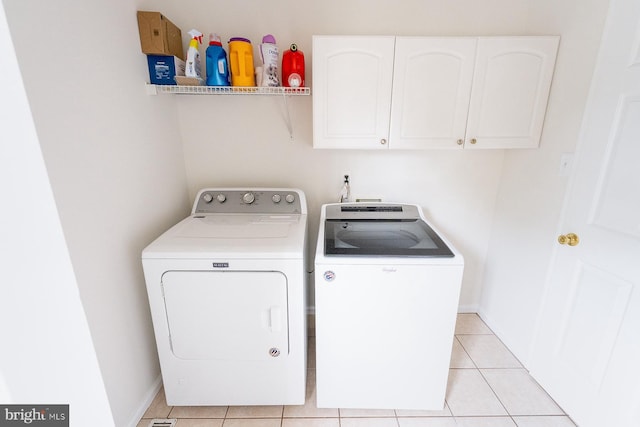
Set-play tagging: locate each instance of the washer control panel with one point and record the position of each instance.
(253, 201)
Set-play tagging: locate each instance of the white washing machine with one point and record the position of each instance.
(227, 290)
(386, 294)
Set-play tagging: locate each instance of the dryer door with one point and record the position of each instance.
(239, 315)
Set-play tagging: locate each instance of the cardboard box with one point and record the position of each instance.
(164, 69)
(158, 35)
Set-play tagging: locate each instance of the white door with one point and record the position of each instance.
(352, 78)
(511, 86)
(587, 351)
(226, 315)
(431, 91)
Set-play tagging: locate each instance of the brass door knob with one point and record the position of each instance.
(570, 239)
(473, 141)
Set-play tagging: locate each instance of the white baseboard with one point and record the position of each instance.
(468, 308)
(146, 402)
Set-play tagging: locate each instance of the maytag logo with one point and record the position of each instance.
(36, 415)
(220, 265)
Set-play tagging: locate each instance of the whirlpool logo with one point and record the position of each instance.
(329, 276)
(36, 415)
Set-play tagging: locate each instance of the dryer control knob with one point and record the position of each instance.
(290, 198)
(221, 198)
(248, 198)
(207, 197)
(276, 198)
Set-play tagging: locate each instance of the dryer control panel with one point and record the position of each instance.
(250, 201)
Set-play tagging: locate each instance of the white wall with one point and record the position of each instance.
(531, 190)
(116, 167)
(47, 356)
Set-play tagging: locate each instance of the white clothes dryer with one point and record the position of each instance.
(226, 289)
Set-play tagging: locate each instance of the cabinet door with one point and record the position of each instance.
(431, 91)
(352, 79)
(510, 91)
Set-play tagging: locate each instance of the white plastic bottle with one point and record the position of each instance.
(269, 54)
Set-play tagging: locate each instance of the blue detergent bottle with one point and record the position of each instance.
(216, 61)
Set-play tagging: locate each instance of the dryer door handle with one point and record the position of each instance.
(275, 318)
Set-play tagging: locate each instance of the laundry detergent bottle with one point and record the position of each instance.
(216, 63)
(293, 67)
(268, 74)
(241, 62)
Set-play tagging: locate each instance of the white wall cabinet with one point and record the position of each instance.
(430, 92)
(354, 76)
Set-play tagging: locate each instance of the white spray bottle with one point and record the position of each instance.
(192, 66)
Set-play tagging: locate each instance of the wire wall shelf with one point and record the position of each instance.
(227, 90)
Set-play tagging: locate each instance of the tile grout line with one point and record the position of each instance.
(481, 374)
(498, 397)
(466, 352)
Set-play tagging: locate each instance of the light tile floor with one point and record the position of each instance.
(488, 387)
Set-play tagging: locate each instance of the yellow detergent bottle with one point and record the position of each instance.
(241, 62)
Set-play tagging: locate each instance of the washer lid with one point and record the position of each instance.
(380, 229)
(383, 237)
